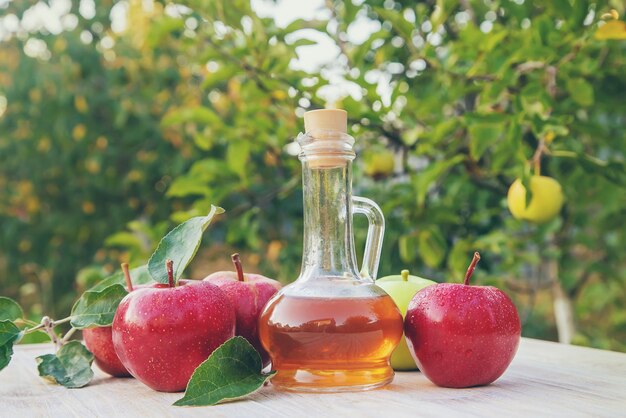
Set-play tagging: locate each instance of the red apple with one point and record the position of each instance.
(461, 335)
(100, 342)
(248, 293)
(161, 333)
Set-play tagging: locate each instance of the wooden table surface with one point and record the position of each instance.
(545, 379)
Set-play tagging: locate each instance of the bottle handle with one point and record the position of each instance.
(375, 233)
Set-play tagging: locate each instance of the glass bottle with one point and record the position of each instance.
(332, 329)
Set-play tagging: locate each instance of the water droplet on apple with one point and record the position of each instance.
(468, 353)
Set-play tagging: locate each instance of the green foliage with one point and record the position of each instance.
(199, 108)
(70, 366)
(81, 150)
(233, 370)
(180, 246)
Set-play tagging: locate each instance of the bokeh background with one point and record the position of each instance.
(120, 119)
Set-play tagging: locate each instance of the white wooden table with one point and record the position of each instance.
(545, 379)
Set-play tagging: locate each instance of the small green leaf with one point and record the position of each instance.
(180, 245)
(186, 186)
(97, 308)
(432, 246)
(237, 157)
(9, 333)
(581, 91)
(10, 309)
(303, 42)
(407, 245)
(232, 371)
(435, 171)
(483, 136)
(70, 366)
(199, 115)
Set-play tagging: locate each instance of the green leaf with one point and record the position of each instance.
(10, 309)
(230, 372)
(97, 308)
(180, 245)
(432, 246)
(70, 366)
(186, 186)
(399, 23)
(526, 183)
(9, 333)
(123, 239)
(199, 115)
(407, 246)
(612, 170)
(435, 171)
(299, 24)
(303, 42)
(237, 157)
(482, 136)
(581, 91)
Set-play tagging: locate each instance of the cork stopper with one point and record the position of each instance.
(328, 129)
(326, 120)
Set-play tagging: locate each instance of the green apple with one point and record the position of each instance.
(402, 288)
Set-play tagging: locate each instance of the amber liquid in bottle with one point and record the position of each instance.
(331, 342)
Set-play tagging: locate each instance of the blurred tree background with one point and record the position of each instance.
(119, 119)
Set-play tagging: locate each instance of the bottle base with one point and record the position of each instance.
(306, 380)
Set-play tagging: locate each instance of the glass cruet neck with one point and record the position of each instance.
(327, 192)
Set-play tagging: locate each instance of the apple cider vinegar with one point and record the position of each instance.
(331, 342)
(332, 329)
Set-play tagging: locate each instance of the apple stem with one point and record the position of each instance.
(470, 269)
(129, 283)
(169, 264)
(237, 262)
(536, 159)
(405, 275)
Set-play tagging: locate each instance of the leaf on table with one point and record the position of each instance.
(180, 245)
(231, 372)
(10, 309)
(70, 366)
(9, 333)
(615, 29)
(97, 308)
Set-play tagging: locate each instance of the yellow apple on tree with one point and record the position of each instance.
(379, 163)
(402, 288)
(545, 203)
